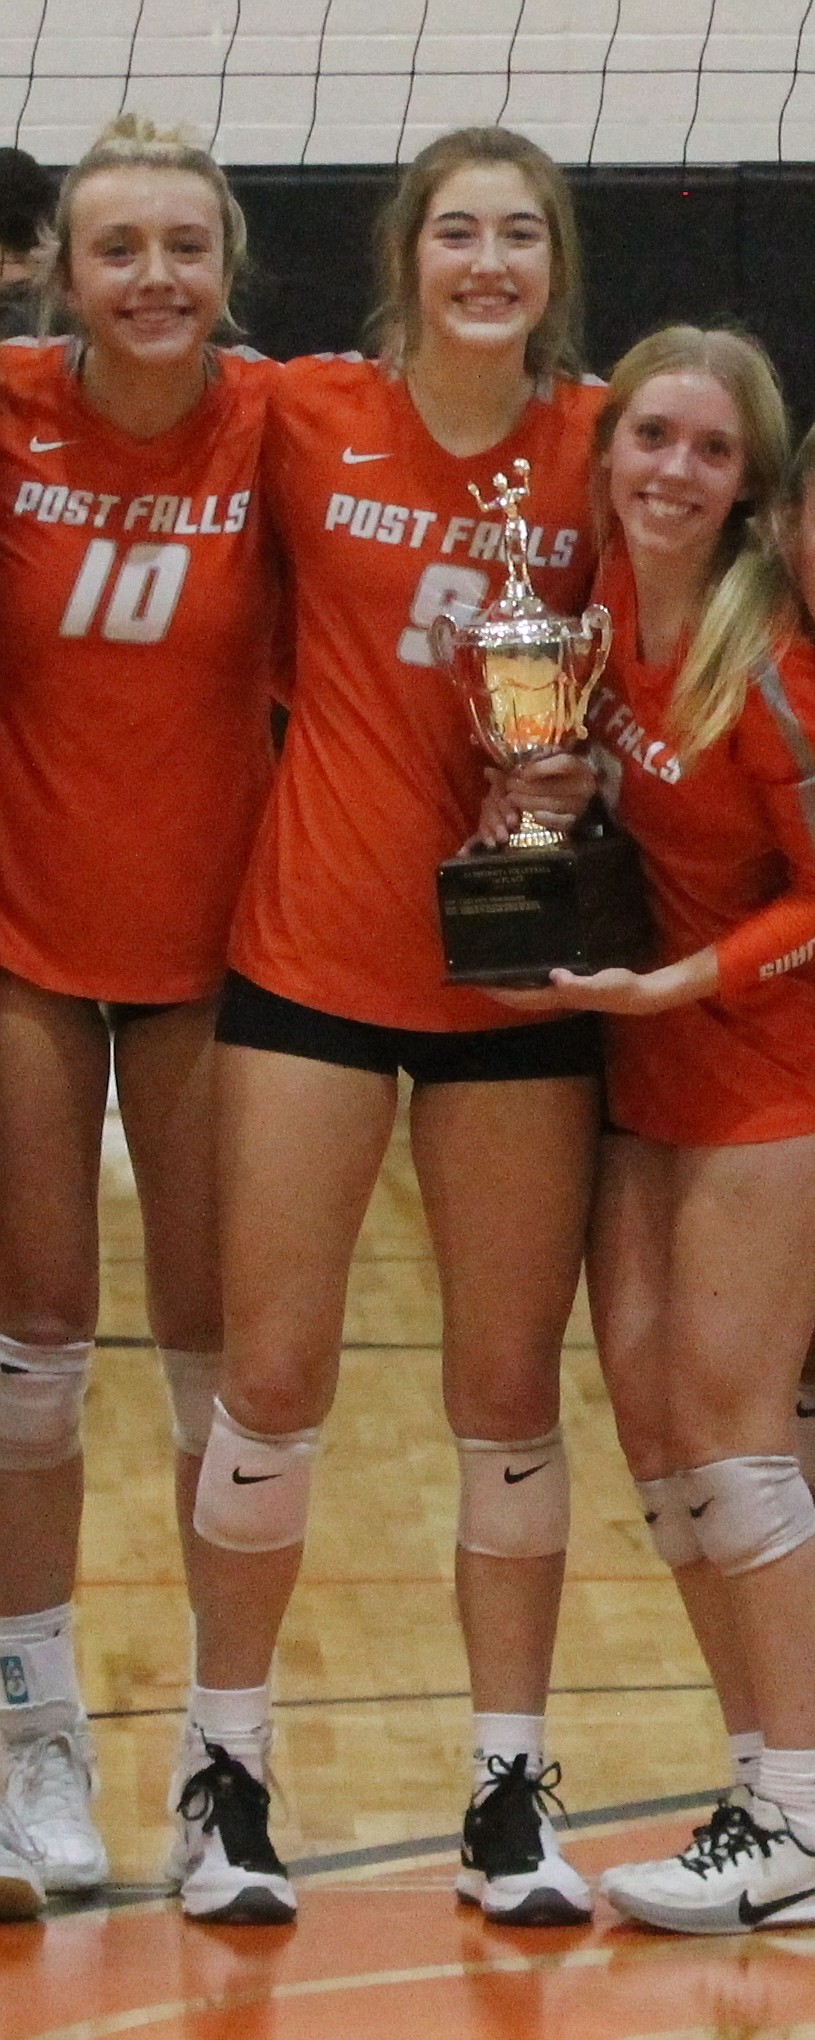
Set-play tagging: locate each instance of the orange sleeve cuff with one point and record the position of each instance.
(778, 939)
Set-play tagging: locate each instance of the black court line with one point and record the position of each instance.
(140, 1342)
(399, 1700)
(114, 1896)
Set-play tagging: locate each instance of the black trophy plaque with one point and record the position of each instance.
(510, 917)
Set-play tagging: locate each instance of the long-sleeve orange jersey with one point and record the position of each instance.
(380, 779)
(729, 854)
(136, 609)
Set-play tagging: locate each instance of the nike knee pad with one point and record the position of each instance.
(42, 1389)
(192, 1379)
(514, 1498)
(748, 1512)
(666, 1512)
(253, 1493)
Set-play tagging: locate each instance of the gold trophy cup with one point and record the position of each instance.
(553, 896)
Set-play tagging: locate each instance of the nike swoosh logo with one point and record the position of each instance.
(752, 1915)
(513, 1478)
(801, 1410)
(702, 1507)
(251, 1479)
(48, 445)
(351, 459)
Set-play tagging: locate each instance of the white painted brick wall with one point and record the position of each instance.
(344, 81)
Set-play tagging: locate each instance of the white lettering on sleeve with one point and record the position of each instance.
(792, 961)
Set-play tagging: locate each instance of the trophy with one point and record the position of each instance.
(553, 897)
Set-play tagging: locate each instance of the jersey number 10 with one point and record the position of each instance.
(139, 606)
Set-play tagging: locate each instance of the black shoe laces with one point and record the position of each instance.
(503, 1833)
(513, 1780)
(730, 1833)
(224, 1795)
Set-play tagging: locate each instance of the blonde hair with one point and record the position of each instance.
(556, 342)
(747, 603)
(131, 141)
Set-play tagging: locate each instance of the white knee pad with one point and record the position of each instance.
(748, 1512)
(514, 1498)
(253, 1493)
(192, 1379)
(42, 1389)
(665, 1508)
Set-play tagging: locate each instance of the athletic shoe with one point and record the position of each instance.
(510, 1861)
(50, 1784)
(22, 1892)
(746, 1869)
(224, 1861)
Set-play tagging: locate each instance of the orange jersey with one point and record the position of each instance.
(136, 610)
(729, 853)
(380, 779)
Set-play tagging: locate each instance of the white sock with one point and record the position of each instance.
(237, 1718)
(37, 1669)
(745, 1755)
(787, 1778)
(506, 1736)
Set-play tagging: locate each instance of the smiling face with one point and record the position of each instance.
(676, 466)
(483, 260)
(146, 264)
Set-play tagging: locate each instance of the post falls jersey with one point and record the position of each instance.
(728, 847)
(136, 607)
(380, 777)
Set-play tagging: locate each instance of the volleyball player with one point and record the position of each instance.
(339, 981)
(136, 605)
(702, 1272)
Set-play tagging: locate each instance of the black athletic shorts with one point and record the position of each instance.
(118, 1012)
(253, 1018)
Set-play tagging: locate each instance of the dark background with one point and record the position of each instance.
(709, 245)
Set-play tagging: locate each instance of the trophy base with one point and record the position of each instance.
(510, 917)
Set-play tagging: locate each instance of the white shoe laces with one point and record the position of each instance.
(15, 1840)
(51, 1778)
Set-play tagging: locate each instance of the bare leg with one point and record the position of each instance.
(53, 1084)
(505, 1171)
(165, 1078)
(742, 1303)
(54, 1055)
(302, 1144)
(628, 1266)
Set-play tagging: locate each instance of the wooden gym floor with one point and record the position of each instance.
(373, 1733)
